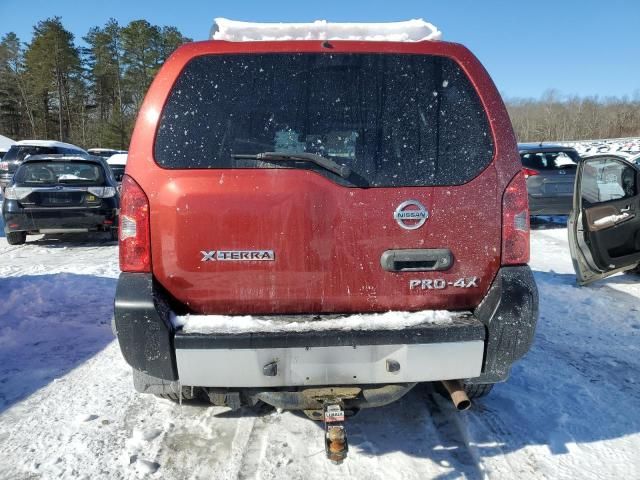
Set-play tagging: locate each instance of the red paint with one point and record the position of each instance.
(327, 238)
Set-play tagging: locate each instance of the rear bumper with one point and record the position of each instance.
(556, 205)
(417, 354)
(18, 219)
(480, 347)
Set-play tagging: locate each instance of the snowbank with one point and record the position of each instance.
(208, 324)
(415, 30)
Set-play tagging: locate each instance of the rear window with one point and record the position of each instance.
(395, 120)
(550, 160)
(53, 173)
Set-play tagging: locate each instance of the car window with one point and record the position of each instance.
(395, 120)
(47, 173)
(549, 160)
(607, 179)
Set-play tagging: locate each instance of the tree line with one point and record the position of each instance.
(554, 117)
(88, 95)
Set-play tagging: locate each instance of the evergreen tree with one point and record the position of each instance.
(53, 69)
(89, 95)
(15, 106)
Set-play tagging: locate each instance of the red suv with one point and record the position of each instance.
(280, 196)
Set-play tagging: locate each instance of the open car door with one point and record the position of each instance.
(604, 226)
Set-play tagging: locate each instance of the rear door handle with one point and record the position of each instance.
(416, 260)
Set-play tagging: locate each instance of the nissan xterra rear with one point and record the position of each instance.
(281, 196)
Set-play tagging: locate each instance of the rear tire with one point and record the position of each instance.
(478, 390)
(16, 238)
(175, 397)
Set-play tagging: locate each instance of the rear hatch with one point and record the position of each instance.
(236, 231)
(59, 184)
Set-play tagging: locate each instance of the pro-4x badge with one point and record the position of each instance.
(441, 283)
(238, 255)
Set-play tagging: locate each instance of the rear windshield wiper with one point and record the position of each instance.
(321, 161)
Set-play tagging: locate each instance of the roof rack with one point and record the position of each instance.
(416, 30)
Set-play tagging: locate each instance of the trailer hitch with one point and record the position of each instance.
(335, 434)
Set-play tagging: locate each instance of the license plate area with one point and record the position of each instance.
(559, 188)
(363, 364)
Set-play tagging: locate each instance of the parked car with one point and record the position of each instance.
(117, 163)
(60, 194)
(550, 173)
(20, 150)
(301, 182)
(105, 152)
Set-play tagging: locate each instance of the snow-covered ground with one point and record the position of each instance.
(68, 408)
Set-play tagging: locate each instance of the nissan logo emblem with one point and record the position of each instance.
(411, 214)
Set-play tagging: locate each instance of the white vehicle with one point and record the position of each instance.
(105, 152)
(117, 163)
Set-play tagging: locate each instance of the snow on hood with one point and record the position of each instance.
(210, 324)
(415, 30)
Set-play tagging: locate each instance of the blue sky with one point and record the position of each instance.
(588, 47)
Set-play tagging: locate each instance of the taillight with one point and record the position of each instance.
(135, 241)
(530, 172)
(102, 192)
(515, 222)
(17, 193)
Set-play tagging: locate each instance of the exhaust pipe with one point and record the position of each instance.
(457, 393)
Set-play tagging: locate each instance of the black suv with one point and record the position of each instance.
(60, 194)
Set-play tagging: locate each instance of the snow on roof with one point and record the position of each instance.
(5, 143)
(415, 30)
(117, 159)
(50, 143)
(106, 150)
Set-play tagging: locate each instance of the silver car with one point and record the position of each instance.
(550, 173)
